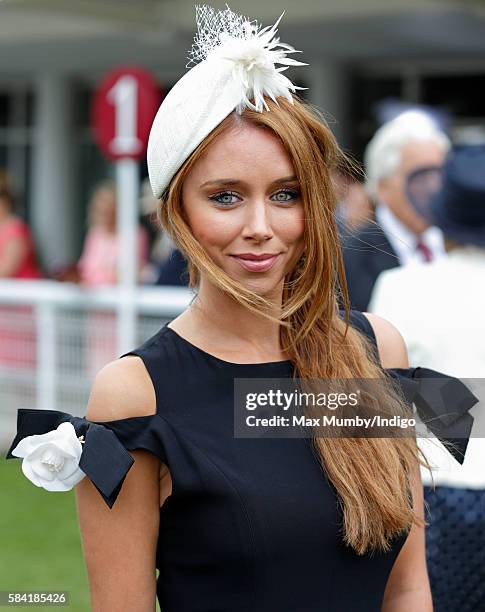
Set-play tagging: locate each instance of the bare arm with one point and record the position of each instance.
(408, 583)
(120, 543)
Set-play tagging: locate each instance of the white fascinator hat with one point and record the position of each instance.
(235, 67)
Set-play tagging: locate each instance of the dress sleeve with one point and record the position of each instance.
(58, 449)
(442, 402)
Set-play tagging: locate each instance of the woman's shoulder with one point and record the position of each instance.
(390, 343)
(121, 389)
(384, 336)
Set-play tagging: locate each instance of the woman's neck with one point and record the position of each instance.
(217, 319)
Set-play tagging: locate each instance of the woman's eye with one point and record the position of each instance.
(224, 198)
(228, 198)
(286, 195)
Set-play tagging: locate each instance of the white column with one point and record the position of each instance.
(328, 89)
(53, 205)
(128, 184)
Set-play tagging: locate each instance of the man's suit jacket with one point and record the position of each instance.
(367, 252)
(174, 270)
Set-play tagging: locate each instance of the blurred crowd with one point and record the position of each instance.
(158, 262)
(419, 261)
(385, 220)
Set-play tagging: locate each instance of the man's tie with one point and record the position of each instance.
(425, 250)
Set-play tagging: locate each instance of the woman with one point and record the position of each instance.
(98, 264)
(17, 253)
(98, 267)
(232, 523)
(17, 261)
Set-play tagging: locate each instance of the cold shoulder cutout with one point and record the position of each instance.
(122, 389)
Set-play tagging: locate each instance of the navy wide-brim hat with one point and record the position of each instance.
(458, 208)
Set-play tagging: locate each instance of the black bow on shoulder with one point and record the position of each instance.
(104, 459)
(442, 402)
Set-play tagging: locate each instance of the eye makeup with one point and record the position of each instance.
(293, 193)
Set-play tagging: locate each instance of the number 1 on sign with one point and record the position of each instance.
(124, 97)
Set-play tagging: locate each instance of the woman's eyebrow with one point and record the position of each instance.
(229, 181)
(225, 182)
(285, 179)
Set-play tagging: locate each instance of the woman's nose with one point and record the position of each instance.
(257, 224)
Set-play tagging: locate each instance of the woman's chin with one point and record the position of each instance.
(264, 286)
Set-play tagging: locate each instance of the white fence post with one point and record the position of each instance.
(46, 355)
(127, 180)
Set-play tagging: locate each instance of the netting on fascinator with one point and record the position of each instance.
(232, 65)
(253, 52)
(212, 27)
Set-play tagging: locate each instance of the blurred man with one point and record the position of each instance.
(354, 207)
(439, 308)
(399, 234)
(161, 244)
(167, 265)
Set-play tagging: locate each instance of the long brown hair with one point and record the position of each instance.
(371, 476)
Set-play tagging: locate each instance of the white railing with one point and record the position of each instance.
(54, 337)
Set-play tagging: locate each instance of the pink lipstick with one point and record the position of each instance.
(256, 263)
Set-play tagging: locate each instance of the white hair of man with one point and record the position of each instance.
(383, 153)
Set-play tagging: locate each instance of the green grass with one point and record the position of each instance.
(40, 540)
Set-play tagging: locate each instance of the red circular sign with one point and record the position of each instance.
(124, 107)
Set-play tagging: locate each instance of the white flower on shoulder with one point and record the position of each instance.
(51, 460)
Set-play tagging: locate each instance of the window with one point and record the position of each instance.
(16, 105)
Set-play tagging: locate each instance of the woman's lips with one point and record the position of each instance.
(253, 265)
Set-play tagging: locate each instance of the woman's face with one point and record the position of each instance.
(242, 202)
(103, 212)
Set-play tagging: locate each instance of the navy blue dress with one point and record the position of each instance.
(252, 525)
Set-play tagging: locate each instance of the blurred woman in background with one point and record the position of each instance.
(17, 261)
(98, 264)
(17, 251)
